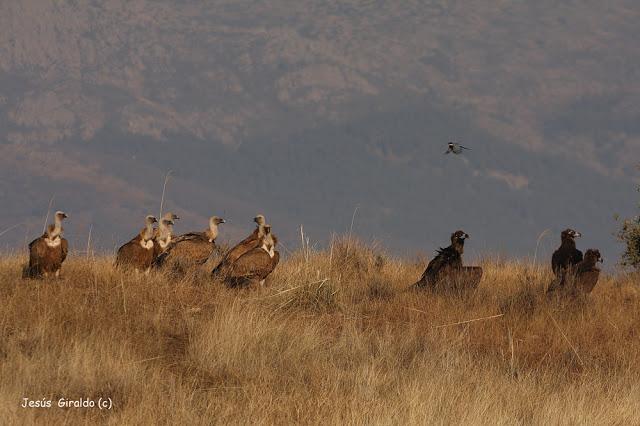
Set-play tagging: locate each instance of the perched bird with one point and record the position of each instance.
(581, 279)
(164, 234)
(455, 148)
(193, 248)
(254, 265)
(587, 273)
(47, 252)
(249, 243)
(140, 251)
(447, 260)
(566, 255)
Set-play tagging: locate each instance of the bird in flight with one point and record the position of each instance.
(455, 148)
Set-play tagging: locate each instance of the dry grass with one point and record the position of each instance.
(334, 338)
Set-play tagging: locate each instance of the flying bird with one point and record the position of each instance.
(455, 148)
(193, 248)
(139, 252)
(47, 252)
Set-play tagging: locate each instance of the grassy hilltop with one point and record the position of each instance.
(333, 338)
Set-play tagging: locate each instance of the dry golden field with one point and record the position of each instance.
(334, 338)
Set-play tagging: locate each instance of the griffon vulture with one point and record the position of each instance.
(47, 252)
(254, 265)
(140, 251)
(193, 248)
(164, 234)
(249, 243)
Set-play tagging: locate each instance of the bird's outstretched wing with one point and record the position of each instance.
(464, 147)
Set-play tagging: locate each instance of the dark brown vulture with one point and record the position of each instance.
(193, 248)
(140, 251)
(47, 252)
(566, 255)
(164, 234)
(446, 267)
(254, 265)
(249, 243)
(581, 279)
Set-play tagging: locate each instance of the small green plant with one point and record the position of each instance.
(629, 234)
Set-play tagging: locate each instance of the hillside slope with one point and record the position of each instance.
(306, 111)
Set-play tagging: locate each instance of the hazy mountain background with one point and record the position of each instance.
(305, 110)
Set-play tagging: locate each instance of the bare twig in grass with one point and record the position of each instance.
(512, 360)
(89, 242)
(468, 321)
(460, 322)
(540, 237)
(331, 252)
(535, 254)
(321, 282)
(124, 298)
(46, 218)
(417, 310)
(282, 306)
(164, 188)
(147, 359)
(219, 387)
(565, 338)
(353, 218)
(538, 364)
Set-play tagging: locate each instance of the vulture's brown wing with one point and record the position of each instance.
(192, 247)
(37, 253)
(191, 236)
(37, 249)
(126, 253)
(64, 247)
(244, 246)
(587, 280)
(556, 262)
(256, 263)
(446, 259)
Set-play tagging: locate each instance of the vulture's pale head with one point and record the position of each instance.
(215, 220)
(259, 220)
(170, 216)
